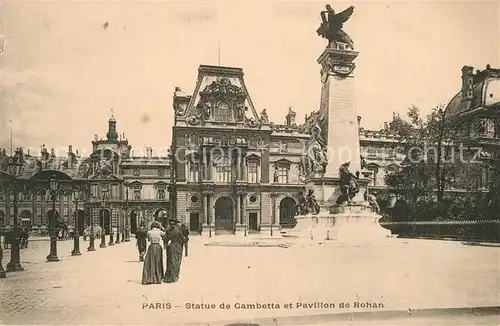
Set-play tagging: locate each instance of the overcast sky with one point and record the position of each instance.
(62, 70)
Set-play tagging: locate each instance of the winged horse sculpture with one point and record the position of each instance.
(332, 23)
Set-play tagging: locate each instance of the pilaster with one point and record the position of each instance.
(241, 225)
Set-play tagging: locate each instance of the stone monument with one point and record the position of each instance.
(336, 207)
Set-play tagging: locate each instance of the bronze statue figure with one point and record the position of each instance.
(372, 200)
(300, 208)
(349, 185)
(312, 206)
(332, 23)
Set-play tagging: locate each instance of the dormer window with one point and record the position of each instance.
(223, 112)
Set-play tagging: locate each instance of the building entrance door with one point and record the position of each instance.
(252, 222)
(194, 222)
(133, 222)
(105, 221)
(287, 209)
(80, 221)
(224, 216)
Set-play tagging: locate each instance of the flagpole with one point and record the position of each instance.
(219, 51)
(10, 137)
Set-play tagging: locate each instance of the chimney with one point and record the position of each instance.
(70, 156)
(290, 117)
(149, 152)
(467, 82)
(359, 121)
(52, 152)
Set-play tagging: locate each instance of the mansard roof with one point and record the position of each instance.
(483, 96)
(219, 88)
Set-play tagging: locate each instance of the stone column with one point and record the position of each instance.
(238, 167)
(33, 208)
(245, 169)
(240, 225)
(42, 208)
(211, 210)
(205, 208)
(61, 206)
(244, 215)
(8, 216)
(238, 208)
(69, 203)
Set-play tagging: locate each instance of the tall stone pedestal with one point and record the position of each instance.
(347, 223)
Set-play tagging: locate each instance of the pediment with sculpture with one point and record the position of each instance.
(221, 101)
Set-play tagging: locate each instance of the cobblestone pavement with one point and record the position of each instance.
(104, 287)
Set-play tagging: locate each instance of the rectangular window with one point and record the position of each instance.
(26, 223)
(252, 172)
(194, 171)
(223, 174)
(283, 174)
(137, 194)
(161, 194)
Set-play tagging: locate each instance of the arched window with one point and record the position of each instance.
(223, 112)
(223, 169)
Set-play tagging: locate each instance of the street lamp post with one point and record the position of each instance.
(101, 216)
(53, 187)
(76, 236)
(15, 165)
(2, 271)
(92, 200)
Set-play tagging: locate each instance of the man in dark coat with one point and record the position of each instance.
(185, 233)
(141, 235)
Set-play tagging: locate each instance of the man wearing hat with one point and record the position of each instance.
(185, 233)
(141, 235)
(174, 242)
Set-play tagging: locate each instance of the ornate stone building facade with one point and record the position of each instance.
(121, 189)
(233, 170)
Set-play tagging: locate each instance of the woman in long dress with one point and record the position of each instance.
(152, 270)
(174, 241)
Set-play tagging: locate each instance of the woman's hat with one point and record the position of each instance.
(155, 224)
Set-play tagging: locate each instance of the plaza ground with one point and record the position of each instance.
(104, 287)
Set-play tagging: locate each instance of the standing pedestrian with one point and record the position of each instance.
(141, 235)
(174, 242)
(185, 234)
(152, 270)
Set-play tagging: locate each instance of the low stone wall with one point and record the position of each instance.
(480, 230)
